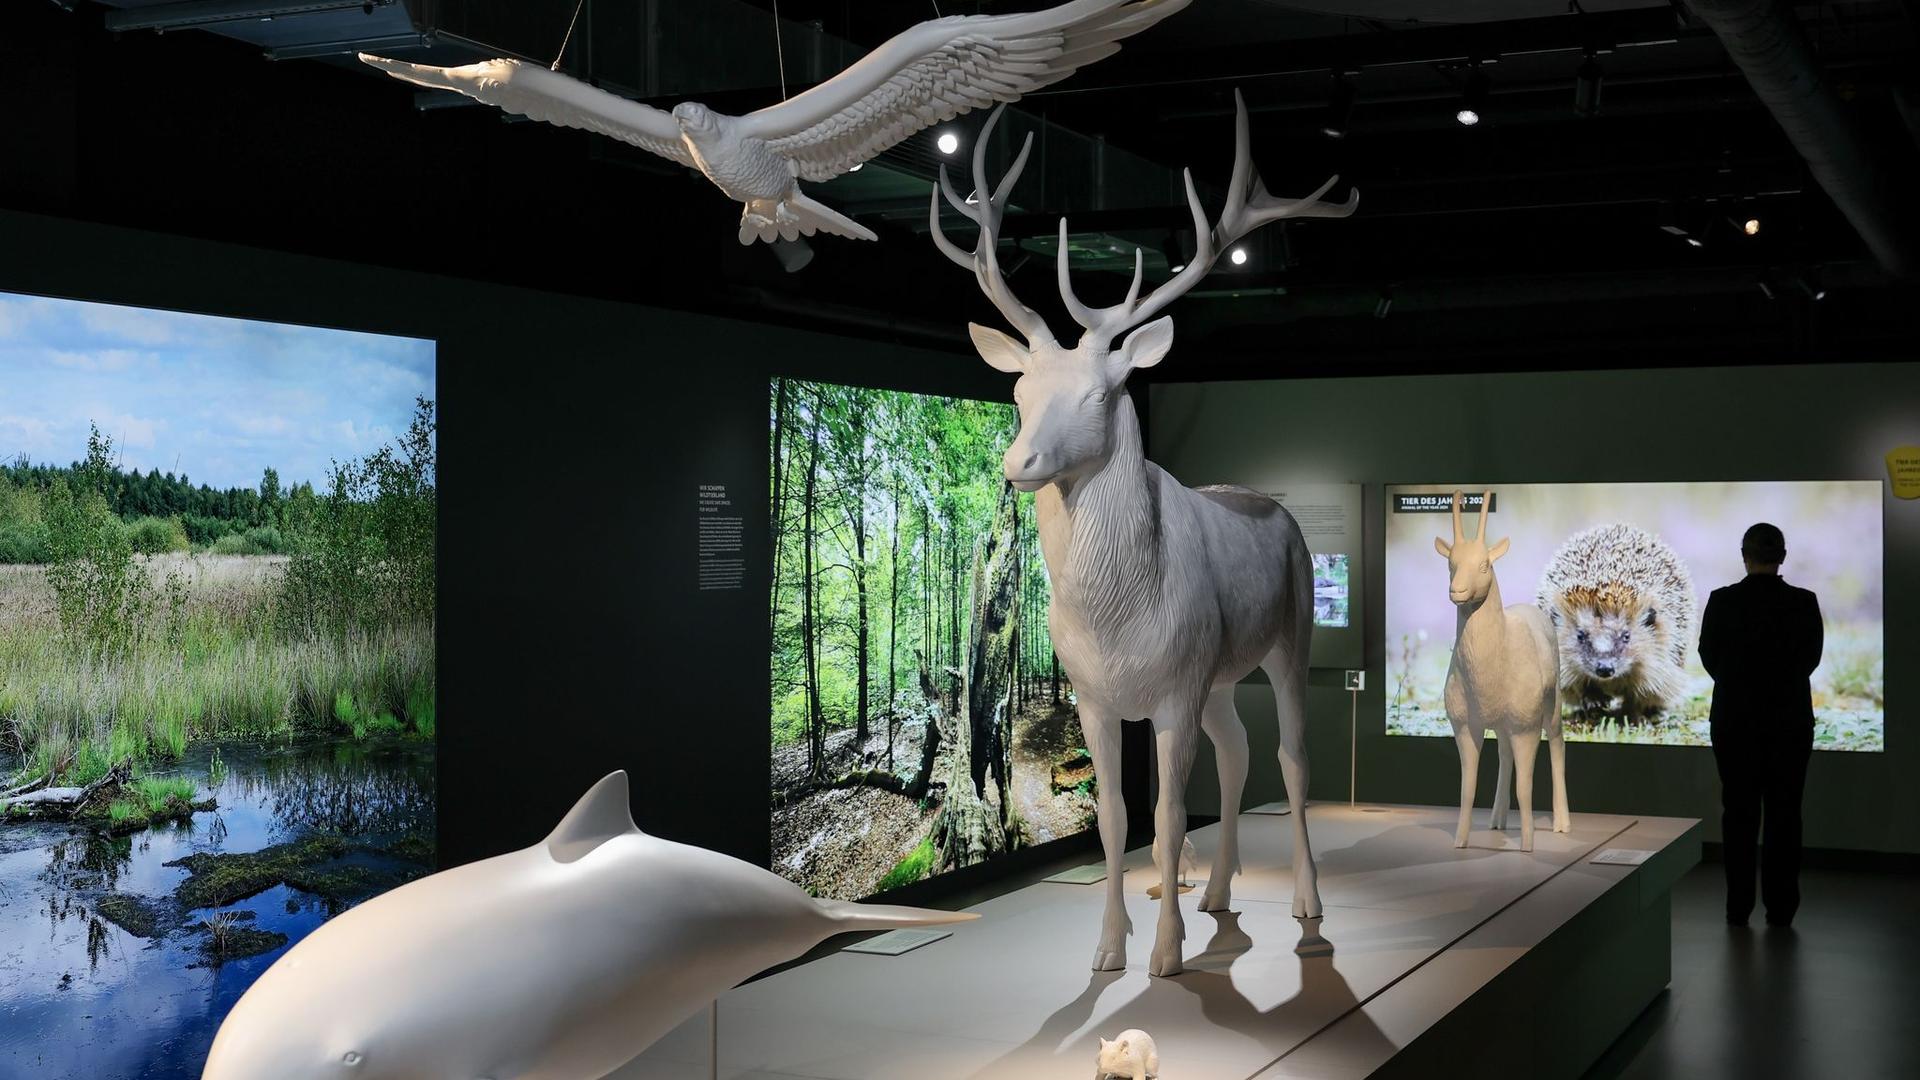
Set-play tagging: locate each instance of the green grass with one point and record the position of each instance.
(916, 866)
(232, 672)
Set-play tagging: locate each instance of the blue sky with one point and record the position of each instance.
(217, 399)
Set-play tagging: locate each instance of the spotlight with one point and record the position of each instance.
(1473, 104)
(1339, 108)
(948, 142)
(1751, 227)
(1690, 222)
(1239, 256)
(1766, 289)
(1586, 87)
(1384, 305)
(1809, 282)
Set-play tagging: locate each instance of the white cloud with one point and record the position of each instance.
(100, 359)
(263, 425)
(127, 430)
(29, 435)
(129, 324)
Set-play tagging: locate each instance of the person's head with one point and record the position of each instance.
(1764, 548)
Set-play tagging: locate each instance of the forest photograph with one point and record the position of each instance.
(217, 665)
(920, 720)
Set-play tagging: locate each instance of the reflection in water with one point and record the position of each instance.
(129, 995)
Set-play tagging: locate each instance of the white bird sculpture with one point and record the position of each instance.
(922, 76)
(561, 961)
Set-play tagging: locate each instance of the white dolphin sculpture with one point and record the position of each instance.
(561, 961)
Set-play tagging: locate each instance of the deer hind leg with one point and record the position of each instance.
(1526, 745)
(1174, 745)
(1467, 736)
(1229, 737)
(1103, 743)
(1288, 673)
(1502, 794)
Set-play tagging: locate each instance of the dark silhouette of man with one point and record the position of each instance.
(1760, 639)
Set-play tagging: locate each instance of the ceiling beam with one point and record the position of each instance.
(191, 13)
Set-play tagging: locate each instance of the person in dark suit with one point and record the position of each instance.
(1760, 639)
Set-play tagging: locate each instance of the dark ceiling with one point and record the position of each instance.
(1531, 240)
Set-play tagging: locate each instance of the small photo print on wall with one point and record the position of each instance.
(217, 665)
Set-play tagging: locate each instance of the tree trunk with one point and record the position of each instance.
(860, 593)
(777, 523)
(893, 623)
(816, 719)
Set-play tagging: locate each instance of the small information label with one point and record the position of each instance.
(1079, 875)
(1619, 856)
(895, 942)
(1405, 503)
(722, 532)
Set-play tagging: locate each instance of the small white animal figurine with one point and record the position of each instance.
(1504, 675)
(562, 961)
(1164, 596)
(925, 75)
(1131, 1056)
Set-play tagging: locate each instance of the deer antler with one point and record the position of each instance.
(984, 260)
(1249, 206)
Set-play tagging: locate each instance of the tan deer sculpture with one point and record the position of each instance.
(1165, 596)
(1504, 675)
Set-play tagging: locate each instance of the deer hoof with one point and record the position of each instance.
(1109, 959)
(1166, 960)
(1217, 897)
(1307, 906)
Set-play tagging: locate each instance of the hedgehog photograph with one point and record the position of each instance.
(1622, 607)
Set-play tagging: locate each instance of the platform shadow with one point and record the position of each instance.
(1324, 998)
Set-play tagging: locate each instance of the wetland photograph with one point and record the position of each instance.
(217, 664)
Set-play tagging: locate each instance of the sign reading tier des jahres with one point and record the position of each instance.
(723, 563)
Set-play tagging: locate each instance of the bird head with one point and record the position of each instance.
(694, 118)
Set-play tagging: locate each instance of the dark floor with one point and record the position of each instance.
(1838, 995)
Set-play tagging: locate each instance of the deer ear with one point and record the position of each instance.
(999, 351)
(1445, 549)
(1148, 345)
(1499, 549)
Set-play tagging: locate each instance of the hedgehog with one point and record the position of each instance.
(1621, 604)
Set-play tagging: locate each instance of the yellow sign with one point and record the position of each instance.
(1903, 468)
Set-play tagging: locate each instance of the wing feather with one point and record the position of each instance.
(937, 70)
(539, 94)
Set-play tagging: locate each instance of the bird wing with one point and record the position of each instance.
(939, 69)
(539, 94)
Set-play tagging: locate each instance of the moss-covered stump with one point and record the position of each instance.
(136, 916)
(223, 879)
(121, 819)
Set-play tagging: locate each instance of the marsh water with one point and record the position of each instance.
(83, 997)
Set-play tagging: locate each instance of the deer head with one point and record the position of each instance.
(1470, 562)
(1069, 397)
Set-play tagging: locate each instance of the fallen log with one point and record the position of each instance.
(68, 800)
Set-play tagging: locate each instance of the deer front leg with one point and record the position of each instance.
(1103, 743)
(1467, 736)
(1222, 724)
(1502, 795)
(1174, 744)
(1526, 745)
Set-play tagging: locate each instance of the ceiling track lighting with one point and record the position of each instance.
(1384, 304)
(1473, 102)
(1586, 87)
(1339, 107)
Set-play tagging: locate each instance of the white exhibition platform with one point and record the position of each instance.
(1428, 957)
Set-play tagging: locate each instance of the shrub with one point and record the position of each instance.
(266, 540)
(918, 864)
(157, 536)
(23, 542)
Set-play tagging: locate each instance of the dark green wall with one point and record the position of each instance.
(1832, 421)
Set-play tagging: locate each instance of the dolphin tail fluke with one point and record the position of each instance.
(887, 916)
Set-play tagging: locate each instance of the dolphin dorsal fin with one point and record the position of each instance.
(600, 815)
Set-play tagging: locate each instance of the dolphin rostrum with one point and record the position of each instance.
(561, 961)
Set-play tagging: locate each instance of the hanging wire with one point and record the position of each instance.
(779, 50)
(571, 23)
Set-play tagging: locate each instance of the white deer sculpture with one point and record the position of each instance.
(1164, 596)
(1504, 675)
